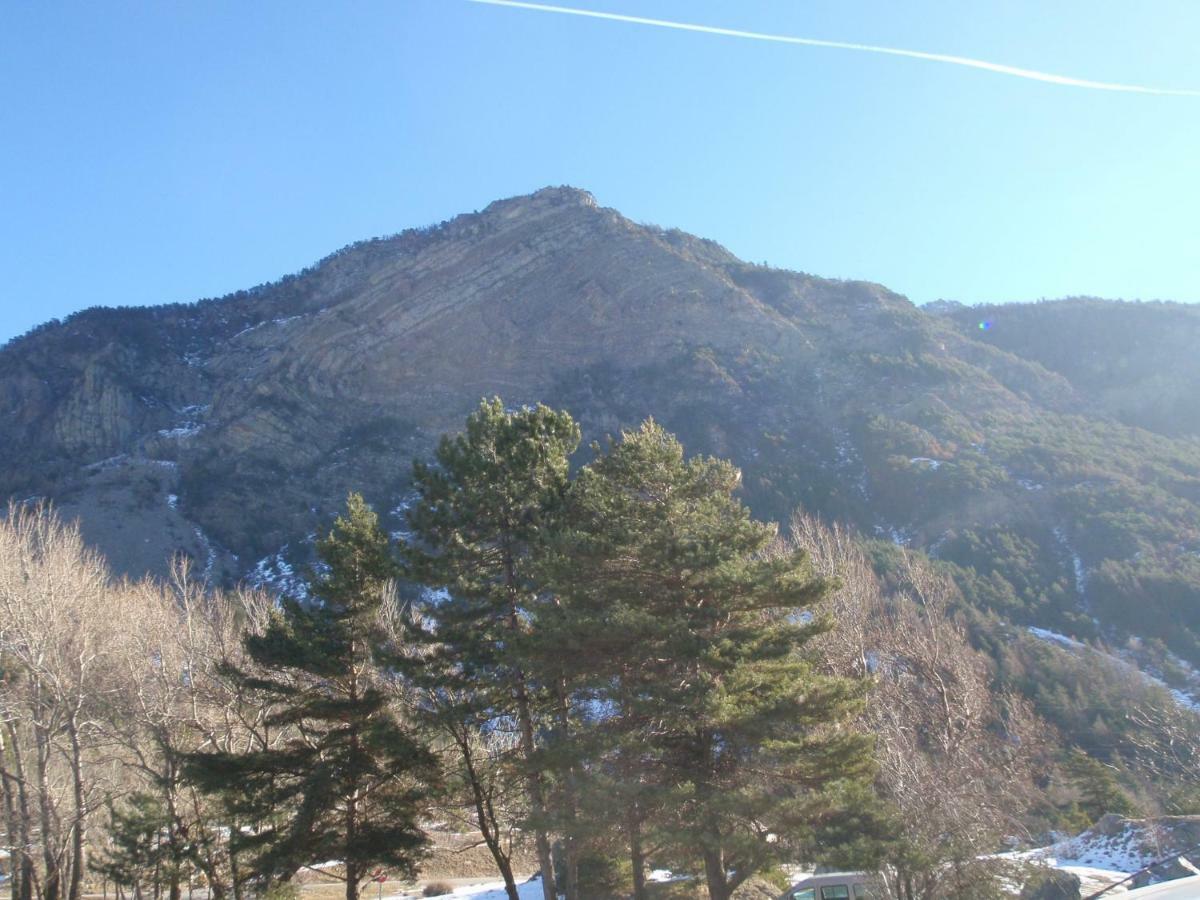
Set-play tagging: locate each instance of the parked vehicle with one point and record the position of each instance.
(834, 886)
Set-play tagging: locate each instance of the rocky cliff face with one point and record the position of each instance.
(231, 429)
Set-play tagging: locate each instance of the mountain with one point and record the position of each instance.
(1135, 362)
(1052, 455)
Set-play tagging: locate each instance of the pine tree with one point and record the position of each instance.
(348, 782)
(478, 526)
(1100, 791)
(685, 632)
(138, 853)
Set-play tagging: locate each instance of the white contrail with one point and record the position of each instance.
(842, 45)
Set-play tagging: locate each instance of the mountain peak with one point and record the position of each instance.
(543, 200)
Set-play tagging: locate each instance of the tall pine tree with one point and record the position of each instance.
(347, 781)
(685, 634)
(479, 525)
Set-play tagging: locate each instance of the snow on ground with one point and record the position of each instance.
(1076, 563)
(1121, 851)
(491, 890)
(931, 464)
(1188, 699)
(275, 573)
(1103, 869)
(435, 595)
(1185, 700)
(188, 426)
(1092, 879)
(110, 463)
(400, 513)
(901, 537)
(850, 460)
(1189, 696)
(1054, 637)
(259, 325)
(1110, 850)
(210, 553)
(186, 430)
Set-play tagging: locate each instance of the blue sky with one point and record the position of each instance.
(163, 152)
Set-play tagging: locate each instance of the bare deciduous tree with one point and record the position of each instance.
(173, 700)
(55, 597)
(103, 684)
(956, 757)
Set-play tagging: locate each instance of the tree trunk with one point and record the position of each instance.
(26, 875)
(235, 875)
(637, 857)
(485, 814)
(570, 844)
(51, 885)
(176, 852)
(537, 797)
(352, 873)
(714, 875)
(79, 832)
(207, 864)
(12, 826)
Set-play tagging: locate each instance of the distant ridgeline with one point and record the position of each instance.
(1049, 451)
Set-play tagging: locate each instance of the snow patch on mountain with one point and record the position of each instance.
(1076, 563)
(186, 430)
(276, 574)
(400, 513)
(210, 553)
(1054, 637)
